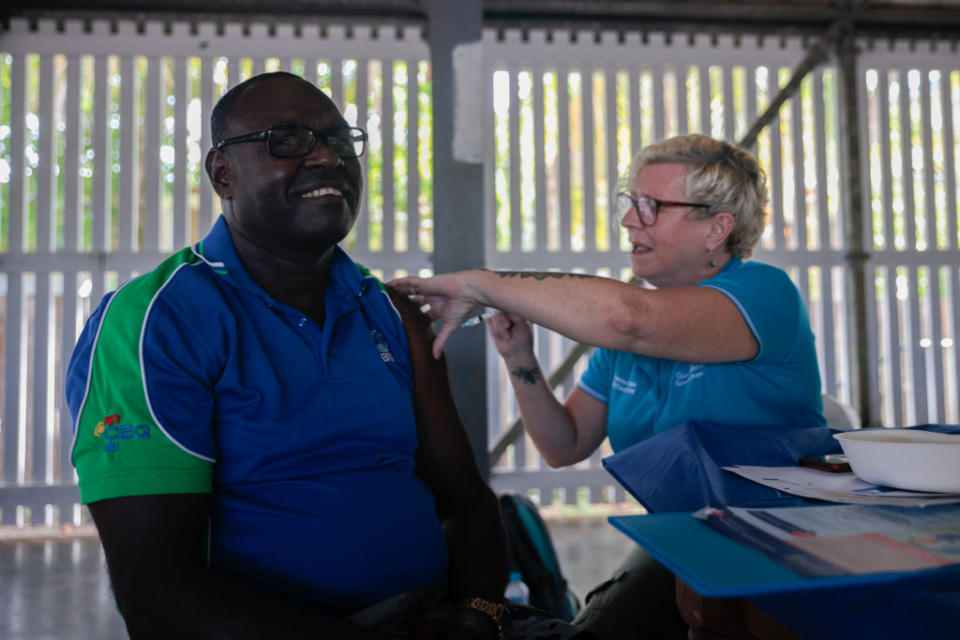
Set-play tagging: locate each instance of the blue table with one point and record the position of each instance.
(923, 604)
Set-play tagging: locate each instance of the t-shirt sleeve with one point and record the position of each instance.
(596, 380)
(121, 447)
(769, 303)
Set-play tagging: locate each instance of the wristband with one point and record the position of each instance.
(494, 610)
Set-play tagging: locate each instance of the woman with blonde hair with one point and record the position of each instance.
(718, 338)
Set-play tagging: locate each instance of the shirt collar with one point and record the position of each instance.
(217, 250)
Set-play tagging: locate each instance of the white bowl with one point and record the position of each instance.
(904, 458)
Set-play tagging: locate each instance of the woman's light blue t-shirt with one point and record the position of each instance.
(778, 387)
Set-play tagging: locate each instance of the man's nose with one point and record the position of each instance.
(322, 155)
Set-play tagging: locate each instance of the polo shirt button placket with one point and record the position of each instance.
(303, 322)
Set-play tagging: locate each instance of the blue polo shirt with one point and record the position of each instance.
(192, 379)
(780, 386)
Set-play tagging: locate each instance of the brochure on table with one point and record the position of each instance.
(839, 540)
(718, 565)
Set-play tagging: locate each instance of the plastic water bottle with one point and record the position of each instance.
(517, 589)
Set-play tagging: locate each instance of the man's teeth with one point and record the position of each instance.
(323, 191)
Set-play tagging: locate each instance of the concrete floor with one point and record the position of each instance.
(58, 589)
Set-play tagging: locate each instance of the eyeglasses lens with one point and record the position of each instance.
(292, 142)
(646, 208)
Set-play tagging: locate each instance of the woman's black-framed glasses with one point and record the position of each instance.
(647, 207)
(294, 141)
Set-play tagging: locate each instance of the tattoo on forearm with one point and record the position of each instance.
(541, 275)
(528, 375)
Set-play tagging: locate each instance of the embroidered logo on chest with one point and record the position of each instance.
(623, 385)
(682, 378)
(381, 345)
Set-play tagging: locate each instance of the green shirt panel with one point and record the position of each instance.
(119, 449)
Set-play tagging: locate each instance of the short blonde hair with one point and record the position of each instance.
(726, 177)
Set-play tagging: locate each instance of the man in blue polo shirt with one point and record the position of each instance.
(262, 436)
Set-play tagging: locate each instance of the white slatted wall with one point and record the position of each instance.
(567, 113)
(88, 200)
(912, 97)
(102, 176)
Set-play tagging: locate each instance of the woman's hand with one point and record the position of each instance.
(512, 335)
(450, 297)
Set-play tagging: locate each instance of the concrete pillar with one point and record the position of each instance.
(453, 35)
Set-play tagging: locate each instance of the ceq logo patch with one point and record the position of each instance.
(112, 433)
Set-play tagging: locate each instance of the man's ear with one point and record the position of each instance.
(721, 226)
(220, 173)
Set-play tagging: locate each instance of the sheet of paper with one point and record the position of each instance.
(837, 487)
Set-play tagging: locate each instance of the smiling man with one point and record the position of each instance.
(266, 445)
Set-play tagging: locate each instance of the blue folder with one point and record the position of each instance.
(905, 605)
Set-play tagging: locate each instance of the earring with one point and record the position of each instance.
(713, 262)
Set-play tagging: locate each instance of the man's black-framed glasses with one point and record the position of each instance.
(647, 207)
(294, 141)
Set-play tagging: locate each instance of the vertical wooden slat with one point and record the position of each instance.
(870, 301)
(799, 177)
(776, 168)
(336, 82)
(14, 393)
(128, 214)
(563, 131)
(955, 317)
(938, 354)
(71, 218)
(154, 89)
(886, 173)
(915, 354)
(703, 77)
(18, 198)
(387, 183)
(949, 171)
(42, 383)
(729, 113)
(610, 99)
(750, 73)
(208, 99)
(950, 185)
(659, 131)
(826, 336)
(413, 157)
(233, 72)
(363, 100)
(101, 162)
(539, 164)
(46, 181)
(516, 215)
(683, 126)
(636, 122)
(72, 196)
(181, 204)
(906, 157)
(490, 216)
(588, 125)
(926, 136)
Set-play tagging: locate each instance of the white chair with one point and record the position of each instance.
(840, 416)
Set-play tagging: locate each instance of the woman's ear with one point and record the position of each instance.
(220, 173)
(721, 226)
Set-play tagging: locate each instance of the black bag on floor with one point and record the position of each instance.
(533, 555)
